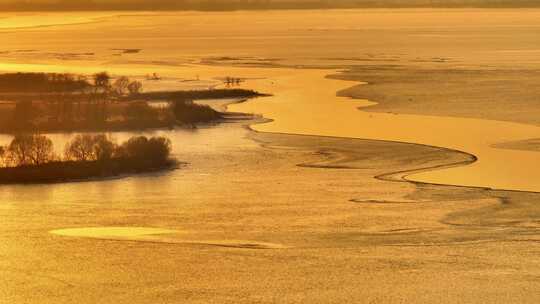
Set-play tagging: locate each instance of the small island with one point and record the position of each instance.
(30, 158)
(52, 102)
(32, 104)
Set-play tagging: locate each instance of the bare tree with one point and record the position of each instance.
(19, 150)
(121, 85)
(135, 87)
(102, 81)
(89, 148)
(103, 147)
(30, 150)
(43, 151)
(80, 148)
(2, 156)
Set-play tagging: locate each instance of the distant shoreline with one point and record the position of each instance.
(189, 115)
(263, 7)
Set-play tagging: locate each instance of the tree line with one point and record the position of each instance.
(64, 101)
(36, 150)
(103, 103)
(67, 83)
(42, 82)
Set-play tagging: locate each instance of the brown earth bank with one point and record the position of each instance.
(65, 171)
(465, 91)
(51, 96)
(196, 94)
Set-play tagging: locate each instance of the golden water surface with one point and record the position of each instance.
(304, 101)
(242, 220)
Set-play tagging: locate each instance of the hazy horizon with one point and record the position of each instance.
(36, 5)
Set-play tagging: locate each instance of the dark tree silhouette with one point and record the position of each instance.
(191, 113)
(42, 82)
(135, 87)
(80, 148)
(102, 81)
(2, 156)
(88, 147)
(30, 150)
(103, 147)
(120, 85)
(31, 160)
(141, 150)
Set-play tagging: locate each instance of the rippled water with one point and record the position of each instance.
(252, 214)
(304, 101)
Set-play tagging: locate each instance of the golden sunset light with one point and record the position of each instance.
(269, 151)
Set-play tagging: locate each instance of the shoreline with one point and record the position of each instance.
(173, 164)
(428, 130)
(101, 175)
(193, 115)
(468, 87)
(274, 8)
(402, 175)
(246, 203)
(422, 129)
